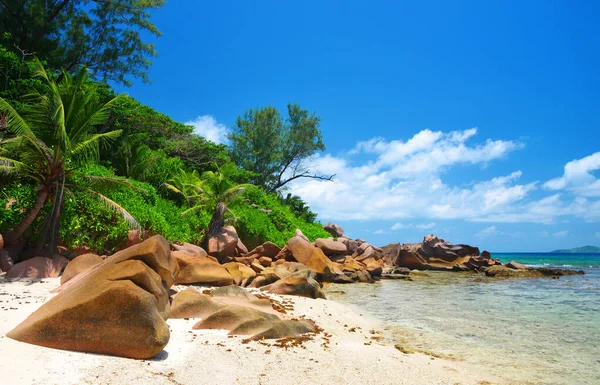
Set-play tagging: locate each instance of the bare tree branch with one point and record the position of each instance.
(303, 175)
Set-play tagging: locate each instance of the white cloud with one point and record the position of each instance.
(207, 127)
(561, 234)
(577, 177)
(487, 232)
(405, 180)
(598, 234)
(544, 234)
(420, 226)
(380, 231)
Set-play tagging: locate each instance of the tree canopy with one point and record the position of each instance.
(103, 35)
(277, 150)
(51, 141)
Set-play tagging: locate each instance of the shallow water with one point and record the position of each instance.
(529, 331)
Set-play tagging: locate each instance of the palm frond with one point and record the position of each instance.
(192, 210)
(16, 124)
(231, 194)
(89, 148)
(115, 207)
(103, 182)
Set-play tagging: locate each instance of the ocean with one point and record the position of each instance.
(525, 331)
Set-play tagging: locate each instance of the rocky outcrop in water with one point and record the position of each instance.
(517, 270)
(435, 253)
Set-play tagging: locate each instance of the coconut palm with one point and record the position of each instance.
(214, 190)
(51, 140)
(220, 190)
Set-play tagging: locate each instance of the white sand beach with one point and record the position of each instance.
(349, 351)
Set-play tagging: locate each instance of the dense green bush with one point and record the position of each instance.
(255, 226)
(89, 222)
(15, 200)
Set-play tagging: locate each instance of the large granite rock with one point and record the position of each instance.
(78, 265)
(331, 247)
(302, 283)
(201, 270)
(190, 303)
(334, 229)
(267, 249)
(117, 307)
(240, 273)
(226, 244)
(38, 267)
(434, 254)
(311, 257)
(190, 249)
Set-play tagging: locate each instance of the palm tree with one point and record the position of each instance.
(214, 190)
(51, 140)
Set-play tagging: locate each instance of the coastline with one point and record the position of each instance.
(349, 350)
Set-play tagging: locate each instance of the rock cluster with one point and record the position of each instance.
(517, 270)
(233, 308)
(296, 269)
(118, 305)
(436, 254)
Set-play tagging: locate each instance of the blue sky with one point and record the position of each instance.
(475, 121)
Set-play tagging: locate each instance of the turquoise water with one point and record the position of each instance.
(526, 331)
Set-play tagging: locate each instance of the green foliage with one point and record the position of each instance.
(16, 77)
(276, 151)
(87, 222)
(142, 124)
(298, 207)
(103, 35)
(51, 139)
(256, 226)
(15, 200)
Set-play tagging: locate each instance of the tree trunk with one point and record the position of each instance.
(215, 225)
(13, 235)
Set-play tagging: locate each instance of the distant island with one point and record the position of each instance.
(582, 249)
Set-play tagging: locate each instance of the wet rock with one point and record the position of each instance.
(517, 265)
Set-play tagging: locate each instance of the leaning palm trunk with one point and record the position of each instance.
(52, 226)
(216, 224)
(13, 235)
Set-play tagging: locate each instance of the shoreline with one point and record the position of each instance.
(350, 349)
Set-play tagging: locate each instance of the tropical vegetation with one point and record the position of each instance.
(81, 165)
